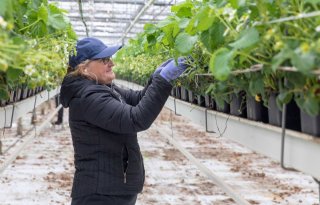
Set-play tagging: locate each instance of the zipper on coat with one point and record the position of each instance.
(125, 173)
(125, 168)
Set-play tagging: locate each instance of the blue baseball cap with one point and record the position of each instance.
(91, 49)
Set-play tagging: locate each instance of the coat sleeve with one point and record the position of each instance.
(133, 97)
(106, 112)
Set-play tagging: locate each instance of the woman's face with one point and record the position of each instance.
(101, 70)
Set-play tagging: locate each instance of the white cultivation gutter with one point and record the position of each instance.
(11, 113)
(301, 150)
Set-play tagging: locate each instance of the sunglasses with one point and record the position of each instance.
(105, 60)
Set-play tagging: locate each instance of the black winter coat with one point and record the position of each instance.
(104, 121)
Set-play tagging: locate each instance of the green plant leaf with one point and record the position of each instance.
(237, 3)
(311, 106)
(39, 29)
(171, 32)
(256, 85)
(4, 94)
(204, 19)
(164, 23)
(312, 1)
(246, 39)
(13, 74)
(285, 97)
(6, 9)
(35, 4)
(184, 23)
(183, 9)
(303, 62)
(56, 18)
(43, 13)
(151, 39)
(213, 37)
(150, 28)
(220, 63)
(184, 43)
(281, 57)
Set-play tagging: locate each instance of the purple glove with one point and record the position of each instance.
(158, 70)
(172, 71)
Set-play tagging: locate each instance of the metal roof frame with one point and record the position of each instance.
(114, 21)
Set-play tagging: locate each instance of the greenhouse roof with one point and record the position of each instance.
(114, 21)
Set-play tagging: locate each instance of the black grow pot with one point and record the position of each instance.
(178, 92)
(255, 110)
(3, 103)
(30, 92)
(209, 102)
(224, 108)
(192, 97)
(173, 92)
(292, 114)
(184, 94)
(237, 105)
(17, 95)
(24, 93)
(310, 124)
(12, 94)
(200, 100)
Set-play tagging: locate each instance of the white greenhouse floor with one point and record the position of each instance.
(42, 174)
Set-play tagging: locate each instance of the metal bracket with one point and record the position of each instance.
(34, 110)
(283, 125)
(5, 117)
(206, 118)
(175, 108)
(48, 95)
(319, 186)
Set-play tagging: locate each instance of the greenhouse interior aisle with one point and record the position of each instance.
(42, 174)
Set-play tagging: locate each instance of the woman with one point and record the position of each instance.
(104, 121)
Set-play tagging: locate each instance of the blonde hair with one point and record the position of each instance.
(80, 70)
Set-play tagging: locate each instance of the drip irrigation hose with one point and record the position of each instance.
(81, 14)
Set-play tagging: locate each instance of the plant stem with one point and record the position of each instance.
(29, 25)
(253, 58)
(9, 46)
(5, 57)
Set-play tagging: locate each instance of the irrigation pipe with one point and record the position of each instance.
(259, 67)
(228, 190)
(28, 140)
(291, 18)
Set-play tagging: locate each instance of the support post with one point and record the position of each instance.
(19, 127)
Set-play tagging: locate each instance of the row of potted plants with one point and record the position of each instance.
(257, 49)
(35, 40)
(245, 106)
(19, 94)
